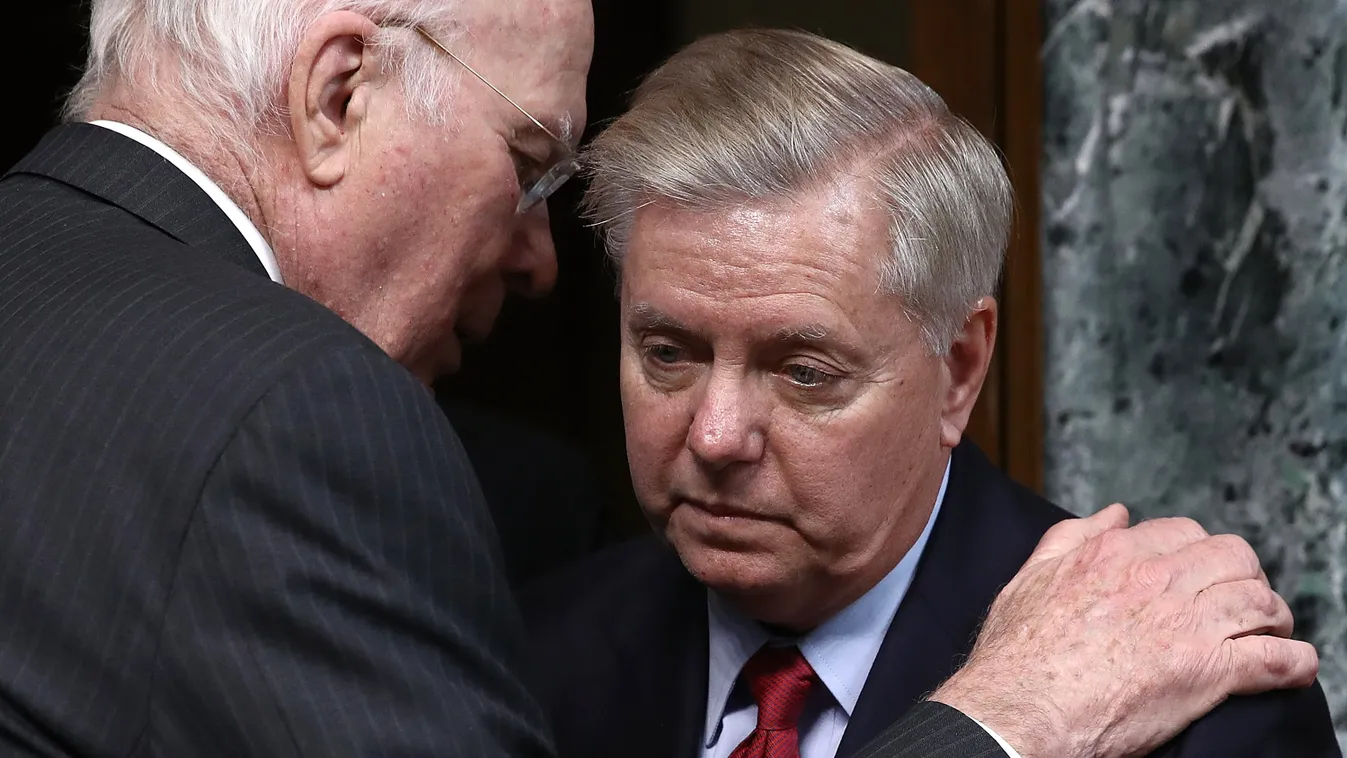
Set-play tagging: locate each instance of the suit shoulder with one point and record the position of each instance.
(1269, 725)
(94, 275)
(994, 507)
(119, 337)
(1037, 512)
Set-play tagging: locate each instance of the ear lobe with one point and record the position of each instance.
(326, 97)
(966, 365)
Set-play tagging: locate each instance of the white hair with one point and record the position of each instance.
(231, 58)
(762, 113)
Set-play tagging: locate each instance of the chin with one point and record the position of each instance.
(761, 590)
(767, 578)
(750, 578)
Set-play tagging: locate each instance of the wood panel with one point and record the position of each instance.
(982, 57)
(1022, 291)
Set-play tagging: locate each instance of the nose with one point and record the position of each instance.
(725, 429)
(531, 264)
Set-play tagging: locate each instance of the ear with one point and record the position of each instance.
(328, 93)
(966, 365)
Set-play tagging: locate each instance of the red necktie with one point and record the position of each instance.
(780, 679)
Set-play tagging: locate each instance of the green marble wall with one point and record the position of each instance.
(1195, 247)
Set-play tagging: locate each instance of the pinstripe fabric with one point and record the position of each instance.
(229, 524)
(933, 730)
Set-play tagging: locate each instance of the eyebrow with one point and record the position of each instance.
(646, 317)
(821, 338)
(804, 333)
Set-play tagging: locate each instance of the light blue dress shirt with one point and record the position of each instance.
(841, 650)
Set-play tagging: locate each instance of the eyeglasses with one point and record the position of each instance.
(539, 179)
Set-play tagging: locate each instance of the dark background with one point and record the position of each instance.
(537, 406)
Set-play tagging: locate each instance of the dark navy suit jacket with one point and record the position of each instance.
(621, 642)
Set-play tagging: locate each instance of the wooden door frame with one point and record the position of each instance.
(982, 56)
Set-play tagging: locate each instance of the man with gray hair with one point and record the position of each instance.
(809, 244)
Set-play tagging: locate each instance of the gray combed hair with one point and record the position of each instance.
(231, 58)
(758, 113)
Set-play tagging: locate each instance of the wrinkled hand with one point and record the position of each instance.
(1110, 640)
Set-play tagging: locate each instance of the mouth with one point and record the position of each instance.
(723, 510)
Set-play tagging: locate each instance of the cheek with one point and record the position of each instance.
(491, 214)
(474, 247)
(476, 207)
(656, 429)
(852, 477)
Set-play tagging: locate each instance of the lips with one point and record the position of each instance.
(724, 510)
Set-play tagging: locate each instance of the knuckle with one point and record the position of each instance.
(1151, 574)
(1249, 595)
(1270, 603)
(1063, 529)
(1182, 527)
(1113, 544)
(1248, 605)
(1278, 660)
(1188, 528)
(1261, 610)
(1092, 552)
(1239, 553)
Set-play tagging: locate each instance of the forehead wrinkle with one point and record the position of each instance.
(739, 244)
(530, 51)
(763, 278)
(752, 251)
(729, 272)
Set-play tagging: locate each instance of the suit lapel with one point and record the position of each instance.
(662, 668)
(133, 177)
(975, 547)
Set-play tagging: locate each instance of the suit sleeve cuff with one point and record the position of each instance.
(1010, 751)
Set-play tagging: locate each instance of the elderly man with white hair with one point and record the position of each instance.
(235, 526)
(235, 523)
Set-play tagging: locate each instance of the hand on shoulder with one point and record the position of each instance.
(1111, 640)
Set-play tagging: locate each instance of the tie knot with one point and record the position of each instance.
(780, 679)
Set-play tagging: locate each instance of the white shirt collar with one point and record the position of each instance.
(231, 209)
(841, 650)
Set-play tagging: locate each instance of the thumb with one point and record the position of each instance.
(1072, 533)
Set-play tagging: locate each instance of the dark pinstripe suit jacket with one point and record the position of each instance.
(229, 524)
